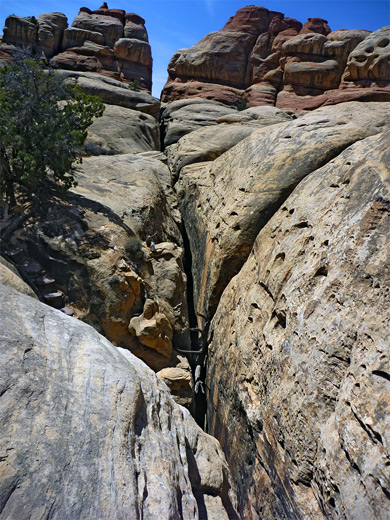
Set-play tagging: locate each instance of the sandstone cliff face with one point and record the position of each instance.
(88, 431)
(226, 202)
(275, 226)
(299, 356)
(269, 59)
(112, 250)
(105, 41)
(43, 34)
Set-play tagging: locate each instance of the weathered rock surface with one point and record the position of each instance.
(270, 59)
(316, 25)
(88, 431)
(226, 203)
(122, 130)
(135, 27)
(315, 65)
(120, 46)
(110, 27)
(94, 244)
(369, 63)
(184, 116)
(10, 277)
(133, 187)
(208, 143)
(113, 92)
(43, 34)
(299, 357)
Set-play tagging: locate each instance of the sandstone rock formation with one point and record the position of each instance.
(10, 277)
(113, 92)
(270, 59)
(122, 130)
(225, 203)
(109, 42)
(299, 360)
(42, 34)
(88, 431)
(209, 142)
(94, 244)
(105, 41)
(184, 116)
(368, 64)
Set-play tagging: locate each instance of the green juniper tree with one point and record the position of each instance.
(43, 124)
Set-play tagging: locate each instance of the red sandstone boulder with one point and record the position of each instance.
(135, 27)
(250, 19)
(178, 89)
(42, 34)
(316, 25)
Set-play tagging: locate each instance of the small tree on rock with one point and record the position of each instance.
(43, 124)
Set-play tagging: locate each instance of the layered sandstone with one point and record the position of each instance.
(269, 59)
(105, 41)
(42, 34)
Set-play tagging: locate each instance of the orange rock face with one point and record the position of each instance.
(270, 59)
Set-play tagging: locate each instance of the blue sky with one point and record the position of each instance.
(176, 24)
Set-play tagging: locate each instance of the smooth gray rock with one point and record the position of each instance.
(122, 130)
(186, 115)
(113, 92)
(208, 143)
(88, 431)
(10, 277)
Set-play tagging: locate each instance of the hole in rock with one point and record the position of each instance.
(322, 271)
(383, 43)
(360, 59)
(380, 373)
(301, 225)
(279, 258)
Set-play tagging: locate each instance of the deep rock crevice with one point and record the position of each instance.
(246, 263)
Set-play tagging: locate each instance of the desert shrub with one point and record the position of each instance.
(43, 124)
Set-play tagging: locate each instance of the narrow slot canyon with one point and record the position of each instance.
(199, 328)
